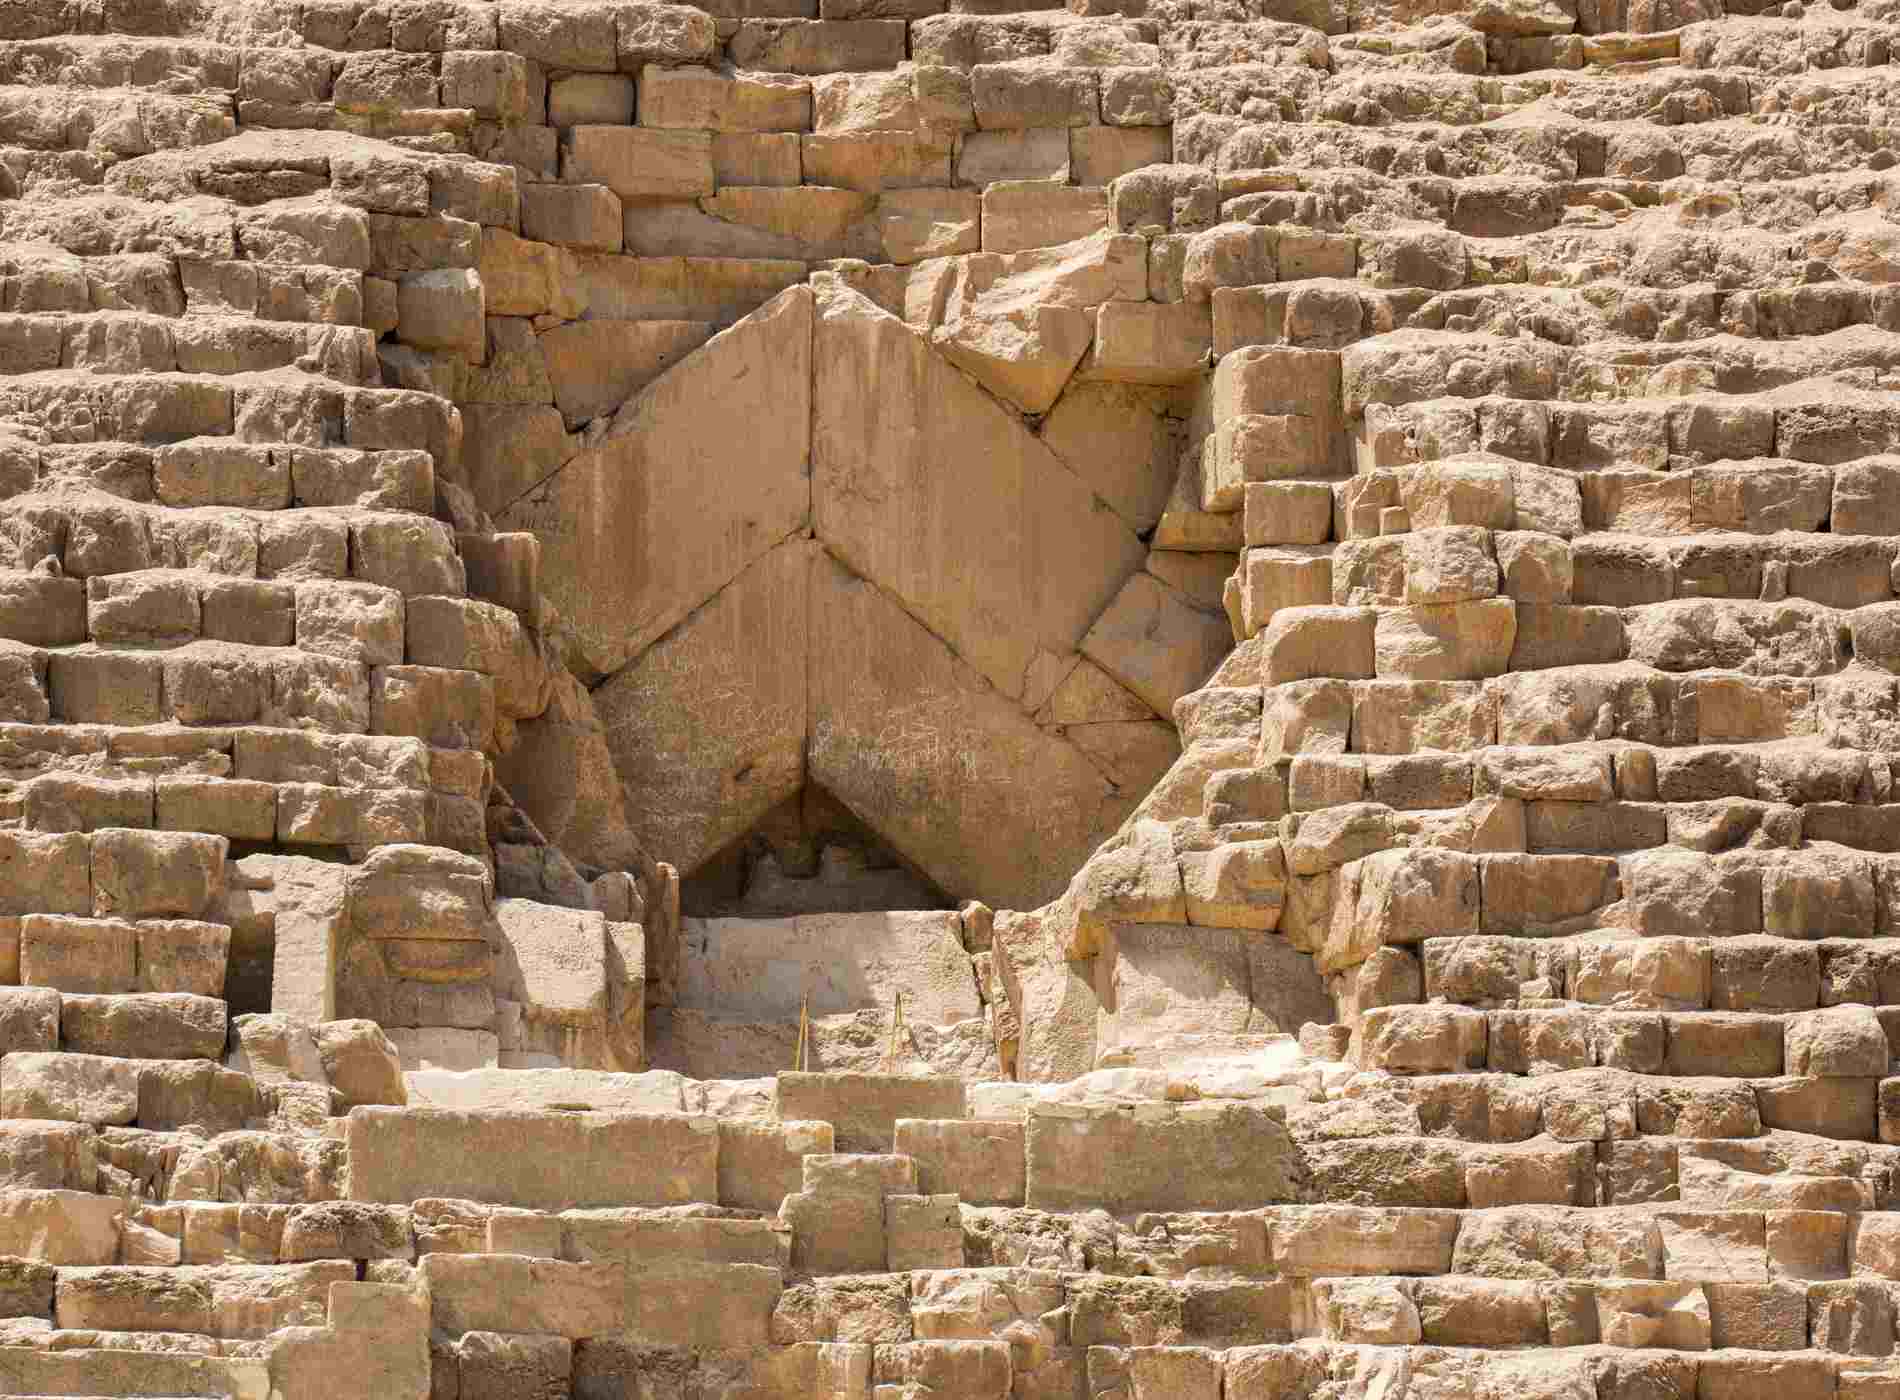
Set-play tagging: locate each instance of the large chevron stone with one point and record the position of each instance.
(924, 484)
(707, 728)
(702, 472)
(955, 777)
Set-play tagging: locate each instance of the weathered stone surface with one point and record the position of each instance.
(766, 969)
(536, 1160)
(691, 788)
(615, 521)
(905, 731)
(1214, 1157)
(1011, 566)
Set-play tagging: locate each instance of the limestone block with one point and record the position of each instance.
(1152, 342)
(442, 310)
(1277, 578)
(1235, 885)
(1122, 441)
(1372, 1311)
(982, 1163)
(140, 873)
(639, 162)
(50, 1155)
(1156, 642)
(543, 1161)
(552, 961)
(145, 608)
(601, 98)
(159, 1026)
(693, 789)
(450, 709)
(1283, 512)
(1403, 896)
(1135, 880)
(964, 823)
(922, 1232)
(491, 1292)
(45, 874)
(696, 98)
(1039, 153)
(761, 1163)
(595, 366)
(944, 1368)
(360, 1062)
(40, 610)
(1728, 1043)
(613, 561)
(1159, 1157)
(63, 1228)
(493, 1365)
(1163, 980)
(78, 955)
(749, 969)
(73, 1088)
(377, 1343)
(1536, 567)
(1305, 642)
(1320, 1240)
(523, 277)
(444, 1049)
(1098, 155)
(1023, 353)
(1052, 1000)
(1683, 893)
(1003, 601)
(818, 46)
(586, 218)
(838, 1220)
(1423, 1039)
(1457, 641)
(1840, 1042)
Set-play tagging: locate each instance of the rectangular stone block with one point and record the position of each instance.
(69, 1088)
(59, 1227)
(1157, 1156)
(984, 1163)
(78, 955)
(639, 163)
(541, 1161)
(760, 1164)
(758, 969)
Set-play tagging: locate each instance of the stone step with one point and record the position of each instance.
(109, 1091)
(1331, 312)
(1612, 968)
(1478, 639)
(1639, 1313)
(146, 1026)
(224, 472)
(156, 409)
(112, 123)
(133, 342)
(239, 753)
(33, 1371)
(1635, 433)
(1409, 366)
(224, 683)
(180, 66)
(97, 536)
(230, 1300)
